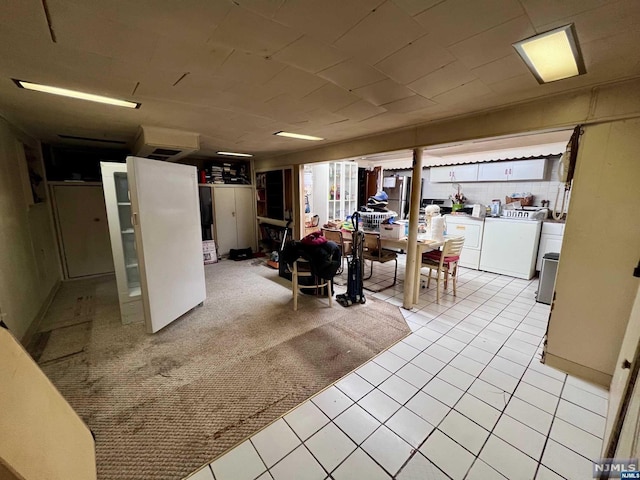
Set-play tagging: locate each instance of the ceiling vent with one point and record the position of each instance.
(165, 144)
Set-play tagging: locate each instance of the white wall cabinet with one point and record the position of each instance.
(234, 218)
(455, 173)
(512, 171)
(335, 190)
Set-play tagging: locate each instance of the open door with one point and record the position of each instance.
(166, 216)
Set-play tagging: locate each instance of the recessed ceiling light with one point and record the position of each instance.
(552, 55)
(234, 154)
(299, 136)
(75, 94)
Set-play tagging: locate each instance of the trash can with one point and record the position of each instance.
(548, 278)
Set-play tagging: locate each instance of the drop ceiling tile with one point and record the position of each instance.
(75, 25)
(329, 97)
(414, 7)
(294, 82)
(26, 16)
(384, 31)
(543, 12)
(501, 69)
(492, 44)
(327, 20)
(266, 8)
(309, 54)
(456, 20)
(442, 80)
(520, 83)
(247, 31)
(360, 110)
(323, 117)
(351, 74)
(249, 68)
(417, 59)
(383, 92)
(172, 53)
(408, 104)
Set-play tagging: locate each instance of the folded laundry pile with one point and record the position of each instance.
(378, 202)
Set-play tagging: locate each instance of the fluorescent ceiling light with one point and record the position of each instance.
(75, 94)
(299, 136)
(234, 154)
(552, 55)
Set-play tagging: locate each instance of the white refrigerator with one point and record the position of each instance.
(154, 223)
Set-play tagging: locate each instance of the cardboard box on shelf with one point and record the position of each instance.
(209, 252)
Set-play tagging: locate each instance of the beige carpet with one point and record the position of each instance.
(162, 405)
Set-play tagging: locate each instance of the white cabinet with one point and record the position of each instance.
(550, 240)
(512, 171)
(335, 190)
(123, 240)
(454, 173)
(234, 219)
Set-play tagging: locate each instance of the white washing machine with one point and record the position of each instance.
(472, 229)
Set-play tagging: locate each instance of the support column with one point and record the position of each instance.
(410, 277)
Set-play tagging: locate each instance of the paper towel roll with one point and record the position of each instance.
(437, 228)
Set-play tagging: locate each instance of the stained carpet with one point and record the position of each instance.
(162, 405)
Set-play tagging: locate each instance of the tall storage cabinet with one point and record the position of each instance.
(123, 240)
(335, 190)
(234, 217)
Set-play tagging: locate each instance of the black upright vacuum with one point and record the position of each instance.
(355, 266)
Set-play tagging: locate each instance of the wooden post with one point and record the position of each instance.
(412, 247)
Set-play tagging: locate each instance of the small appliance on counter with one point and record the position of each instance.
(495, 207)
(479, 211)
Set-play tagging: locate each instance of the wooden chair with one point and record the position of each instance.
(374, 252)
(302, 268)
(337, 237)
(445, 263)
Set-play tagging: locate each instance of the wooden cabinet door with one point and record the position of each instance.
(84, 231)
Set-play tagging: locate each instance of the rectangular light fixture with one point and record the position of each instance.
(552, 55)
(299, 136)
(234, 154)
(75, 94)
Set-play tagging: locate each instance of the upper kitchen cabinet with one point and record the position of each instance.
(455, 173)
(512, 171)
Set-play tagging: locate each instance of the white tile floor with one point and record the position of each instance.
(464, 396)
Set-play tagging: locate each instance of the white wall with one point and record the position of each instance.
(29, 267)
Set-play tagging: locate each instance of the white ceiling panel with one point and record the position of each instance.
(75, 26)
(455, 20)
(309, 54)
(414, 7)
(544, 12)
(360, 110)
(352, 74)
(329, 97)
(501, 69)
(249, 68)
(408, 104)
(442, 80)
(382, 32)
(250, 32)
(492, 44)
(326, 20)
(383, 92)
(238, 70)
(417, 59)
(464, 93)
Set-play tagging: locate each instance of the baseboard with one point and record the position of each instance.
(35, 324)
